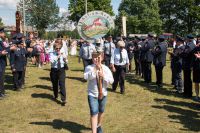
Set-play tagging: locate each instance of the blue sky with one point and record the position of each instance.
(8, 8)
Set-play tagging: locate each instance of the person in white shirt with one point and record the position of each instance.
(109, 48)
(86, 53)
(119, 64)
(57, 74)
(99, 77)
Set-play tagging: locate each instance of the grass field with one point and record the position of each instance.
(143, 109)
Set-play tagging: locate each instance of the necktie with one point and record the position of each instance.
(121, 59)
(110, 49)
(88, 52)
(59, 64)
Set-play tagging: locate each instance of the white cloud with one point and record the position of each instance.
(4, 19)
(8, 3)
(62, 10)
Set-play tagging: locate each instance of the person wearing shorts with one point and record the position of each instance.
(97, 92)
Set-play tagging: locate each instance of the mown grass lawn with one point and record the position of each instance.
(143, 108)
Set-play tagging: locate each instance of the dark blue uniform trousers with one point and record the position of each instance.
(119, 76)
(2, 90)
(58, 80)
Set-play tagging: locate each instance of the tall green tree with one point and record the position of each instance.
(142, 16)
(77, 7)
(1, 22)
(42, 14)
(180, 16)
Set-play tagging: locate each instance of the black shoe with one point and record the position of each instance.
(2, 96)
(17, 89)
(122, 92)
(159, 85)
(99, 129)
(63, 103)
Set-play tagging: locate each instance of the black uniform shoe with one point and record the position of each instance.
(2, 96)
(63, 103)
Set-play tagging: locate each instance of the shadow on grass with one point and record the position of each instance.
(45, 96)
(67, 125)
(78, 79)
(46, 87)
(77, 70)
(8, 83)
(151, 86)
(45, 78)
(47, 69)
(187, 117)
(110, 90)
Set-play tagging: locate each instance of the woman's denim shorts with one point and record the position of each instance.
(96, 105)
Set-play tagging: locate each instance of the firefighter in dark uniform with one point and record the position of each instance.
(137, 55)
(159, 60)
(20, 39)
(187, 58)
(142, 54)
(177, 64)
(3, 52)
(148, 57)
(196, 69)
(130, 50)
(18, 63)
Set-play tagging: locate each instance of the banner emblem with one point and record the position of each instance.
(94, 25)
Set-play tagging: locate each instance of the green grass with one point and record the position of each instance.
(142, 109)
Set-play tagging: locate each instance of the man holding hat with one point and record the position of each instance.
(159, 60)
(187, 55)
(119, 63)
(99, 77)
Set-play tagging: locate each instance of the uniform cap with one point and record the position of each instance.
(150, 34)
(190, 36)
(179, 38)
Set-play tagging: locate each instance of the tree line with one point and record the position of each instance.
(158, 16)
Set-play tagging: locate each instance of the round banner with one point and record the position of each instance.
(94, 25)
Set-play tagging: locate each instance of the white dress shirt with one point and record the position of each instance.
(115, 58)
(54, 59)
(90, 75)
(85, 50)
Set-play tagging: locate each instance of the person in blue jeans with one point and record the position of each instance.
(99, 77)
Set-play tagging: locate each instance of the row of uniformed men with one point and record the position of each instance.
(145, 52)
(17, 54)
